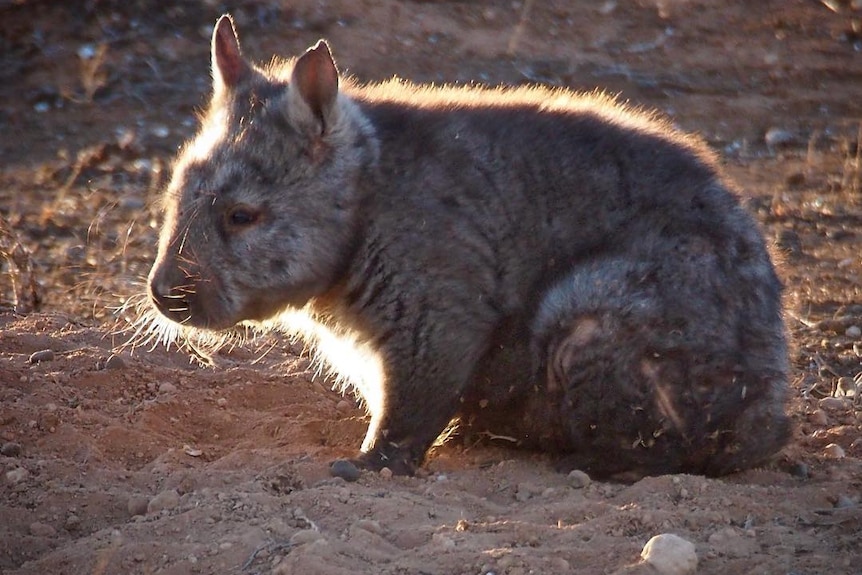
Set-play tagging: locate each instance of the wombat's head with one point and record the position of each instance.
(260, 214)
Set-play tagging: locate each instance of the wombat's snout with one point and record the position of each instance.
(169, 298)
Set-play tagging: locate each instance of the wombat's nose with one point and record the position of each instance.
(169, 299)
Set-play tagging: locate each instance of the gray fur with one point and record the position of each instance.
(550, 266)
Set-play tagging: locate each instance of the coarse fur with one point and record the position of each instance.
(554, 267)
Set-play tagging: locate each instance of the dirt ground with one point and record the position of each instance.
(141, 461)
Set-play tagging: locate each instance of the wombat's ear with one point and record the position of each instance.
(228, 65)
(315, 81)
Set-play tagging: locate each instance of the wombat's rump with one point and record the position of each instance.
(547, 266)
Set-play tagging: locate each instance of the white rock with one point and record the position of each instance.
(834, 450)
(670, 554)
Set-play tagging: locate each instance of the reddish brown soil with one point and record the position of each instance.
(96, 95)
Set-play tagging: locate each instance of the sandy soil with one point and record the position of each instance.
(141, 461)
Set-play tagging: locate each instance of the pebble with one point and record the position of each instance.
(853, 331)
(40, 529)
(344, 469)
(11, 449)
(115, 362)
(167, 387)
(42, 355)
(578, 479)
(305, 536)
(17, 475)
(137, 505)
(834, 450)
(167, 499)
(833, 403)
(87, 52)
(73, 522)
(778, 137)
(844, 502)
(800, 470)
(344, 406)
(221, 402)
(670, 554)
(385, 473)
(818, 417)
(846, 387)
(160, 131)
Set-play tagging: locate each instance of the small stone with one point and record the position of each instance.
(73, 522)
(221, 402)
(833, 403)
(17, 475)
(834, 450)
(778, 137)
(87, 52)
(578, 479)
(344, 406)
(844, 502)
(167, 387)
(818, 417)
(305, 536)
(846, 387)
(670, 554)
(11, 449)
(115, 362)
(853, 331)
(43, 355)
(799, 470)
(167, 499)
(385, 473)
(40, 529)
(344, 469)
(192, 451)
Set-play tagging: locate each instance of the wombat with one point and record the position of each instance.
(556, 268)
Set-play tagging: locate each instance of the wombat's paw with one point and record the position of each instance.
(398, 461)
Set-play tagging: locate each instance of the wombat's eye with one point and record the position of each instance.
(241, 216)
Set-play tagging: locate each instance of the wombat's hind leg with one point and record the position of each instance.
(656, 376)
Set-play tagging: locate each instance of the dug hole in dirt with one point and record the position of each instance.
(143, 461)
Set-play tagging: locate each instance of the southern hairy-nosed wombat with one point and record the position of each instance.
(549, 266)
